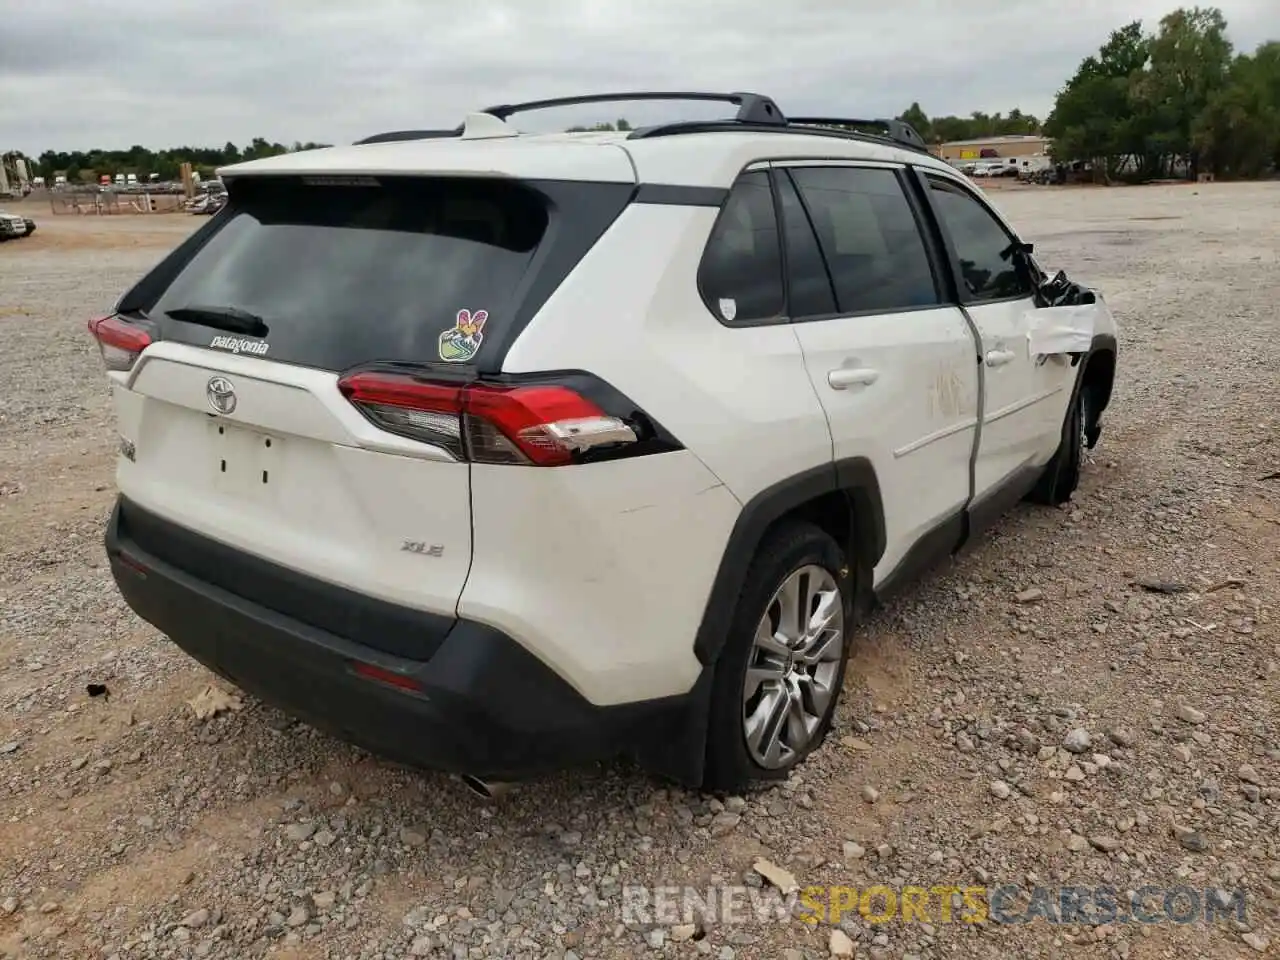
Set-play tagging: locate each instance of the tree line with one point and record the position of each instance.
(87, 165)
(1176, 101)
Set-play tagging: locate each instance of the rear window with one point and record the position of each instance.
(408, 269)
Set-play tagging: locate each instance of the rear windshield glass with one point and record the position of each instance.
(413, 269)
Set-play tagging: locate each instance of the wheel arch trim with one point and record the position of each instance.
(854, 477)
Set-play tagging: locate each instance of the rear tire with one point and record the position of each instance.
(1062, 474)
(779, 678)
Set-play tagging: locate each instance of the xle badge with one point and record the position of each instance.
(422, 548)
(461, 342)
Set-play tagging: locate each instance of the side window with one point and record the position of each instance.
(869, 237)
(741, 271)
(808, 280)
(988, 269)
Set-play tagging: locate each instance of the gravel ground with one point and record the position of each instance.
(1087, 698)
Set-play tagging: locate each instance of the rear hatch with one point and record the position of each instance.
(233, 362)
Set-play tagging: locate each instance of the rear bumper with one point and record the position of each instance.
(481, 704)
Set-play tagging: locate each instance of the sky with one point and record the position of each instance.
(79, 74)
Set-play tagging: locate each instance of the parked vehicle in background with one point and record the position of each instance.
(1030, 168)
(14, 227)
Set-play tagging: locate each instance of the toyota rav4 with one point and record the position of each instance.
(497, 452)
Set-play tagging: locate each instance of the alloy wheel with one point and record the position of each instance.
(793, 667)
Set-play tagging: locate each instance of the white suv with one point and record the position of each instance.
(499, 452)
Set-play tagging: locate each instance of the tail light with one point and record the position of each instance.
(540, 425)
(119, 341)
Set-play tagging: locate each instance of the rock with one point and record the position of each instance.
(49, 907)
(1192, 840)
(212, 701)
(423, 946)
(325, 900)
(1105, 844)
(1000, 790)
(9, 907)
(10, 747)
(683, 932)
(782, 879)
(870, 794)
(724, 822)
(1077, 741)
(1077, 843)
(1189, 714)
(1182, 752)
(196, 919)
(412, 838)
(1122, 736)
(1256, 941)
(1074, 773)
(299, 916)
(1249, 775)
(853, 851)
(656, 938)
(325, 838)
(1030, 595)
(298, 832)
(840, 945)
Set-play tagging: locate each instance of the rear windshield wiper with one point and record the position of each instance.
(232, 319)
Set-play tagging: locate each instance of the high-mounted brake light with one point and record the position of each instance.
(119, 342)
(540, 425)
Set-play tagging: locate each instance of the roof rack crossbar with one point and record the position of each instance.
(826, 129)
(753, 108)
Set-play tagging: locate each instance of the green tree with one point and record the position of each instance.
(1238, 132)
(1094, 117)
(919, 121)
(1190, 62)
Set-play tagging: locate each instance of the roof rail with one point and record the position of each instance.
(396, 136)
(899, 131)
(755, 111)
(752, 107)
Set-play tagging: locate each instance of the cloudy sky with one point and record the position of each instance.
(76, 74)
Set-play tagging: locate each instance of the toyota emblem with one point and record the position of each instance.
(222, 396)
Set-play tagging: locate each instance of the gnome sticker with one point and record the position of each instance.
(461, 342)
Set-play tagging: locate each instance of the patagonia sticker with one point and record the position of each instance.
(461, 342)
(728, 309)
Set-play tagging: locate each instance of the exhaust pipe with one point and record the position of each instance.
(486, 790)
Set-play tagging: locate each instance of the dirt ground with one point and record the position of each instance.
(1088, 698)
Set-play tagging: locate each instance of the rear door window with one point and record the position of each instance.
(408, 269)
(809, 292)
(869, 237)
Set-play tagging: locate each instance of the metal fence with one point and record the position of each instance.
(96, 202)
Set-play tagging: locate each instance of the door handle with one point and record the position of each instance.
(844, 377)
(998, 358)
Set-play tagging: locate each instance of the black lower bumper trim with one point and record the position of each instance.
(481, 704)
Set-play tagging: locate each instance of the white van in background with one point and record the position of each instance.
(1028, 167)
